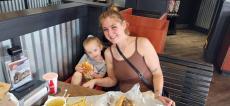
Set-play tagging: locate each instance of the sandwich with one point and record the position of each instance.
(88, 68)
(123, 101)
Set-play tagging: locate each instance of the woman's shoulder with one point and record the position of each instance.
(108, 51)
(143, 45)
(108, 55)
(143, 41)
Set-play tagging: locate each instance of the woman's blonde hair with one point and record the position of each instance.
(113, 13)
(91, 39)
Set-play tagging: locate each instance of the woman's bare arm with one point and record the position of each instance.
(110, 80)
(151, 58)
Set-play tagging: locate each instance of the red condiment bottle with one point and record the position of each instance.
(51, 85)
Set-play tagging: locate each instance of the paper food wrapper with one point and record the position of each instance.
(9, 100)
(4, 87)
(109, 98)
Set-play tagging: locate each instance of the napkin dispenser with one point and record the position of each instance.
(33, 93)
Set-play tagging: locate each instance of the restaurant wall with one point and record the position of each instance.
(3, 46)
(51, 36)
(187, 12)
(159, 6)
(196, 14)
(11, 5)
(120, 3)
(16, 5)
(52, 49)
(206, 14)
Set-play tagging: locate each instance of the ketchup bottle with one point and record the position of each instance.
(51, 85)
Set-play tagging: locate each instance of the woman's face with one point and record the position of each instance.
(113, 29)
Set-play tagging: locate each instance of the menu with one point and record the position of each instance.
(19, 72)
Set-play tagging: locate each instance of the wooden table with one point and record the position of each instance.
(75, 90)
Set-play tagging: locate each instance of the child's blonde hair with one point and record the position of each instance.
(112, 12)
(93, 38)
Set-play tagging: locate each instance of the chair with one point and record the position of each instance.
(186, 81)
(155, 29)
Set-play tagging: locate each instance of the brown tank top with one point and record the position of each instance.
(126, 76)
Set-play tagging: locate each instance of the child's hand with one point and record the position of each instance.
(79, 69)
(93, 74)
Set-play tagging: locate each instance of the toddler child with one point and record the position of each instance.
(92, 64)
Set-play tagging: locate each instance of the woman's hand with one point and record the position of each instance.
(78, 68)
(90, 84)
(166, 101)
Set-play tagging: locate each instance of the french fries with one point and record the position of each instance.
(81, 102)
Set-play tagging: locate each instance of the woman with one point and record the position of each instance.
(139, 51)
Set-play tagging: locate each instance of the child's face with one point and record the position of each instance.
(93, 49)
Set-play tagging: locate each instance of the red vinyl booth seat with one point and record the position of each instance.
(152, 28)
(226, 62)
